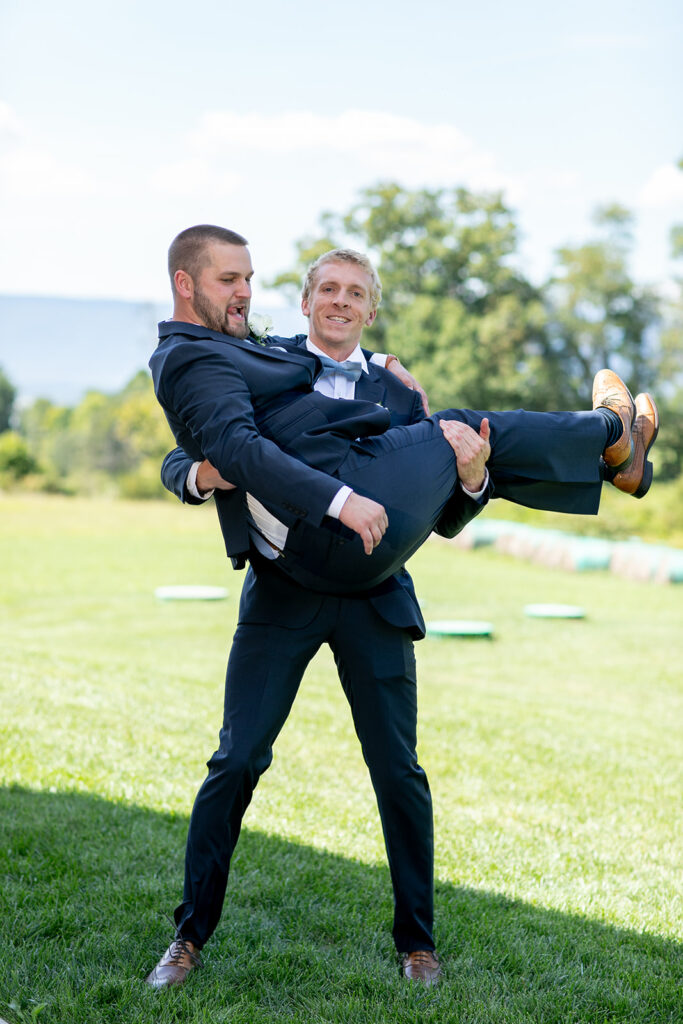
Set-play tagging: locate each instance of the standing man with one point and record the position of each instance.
(282, 625)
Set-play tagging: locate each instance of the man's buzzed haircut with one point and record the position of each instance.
(188, 249)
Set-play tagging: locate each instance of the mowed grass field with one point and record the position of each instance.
(553, 752)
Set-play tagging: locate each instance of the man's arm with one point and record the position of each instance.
(462, 506)
(209, 407)
(366, 517)
(393, 365)
(206, 397)
(471, 451)
(175, 470)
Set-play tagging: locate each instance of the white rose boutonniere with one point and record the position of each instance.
(260, 325)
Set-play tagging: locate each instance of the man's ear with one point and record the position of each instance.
(305, 307)
(184, 285)
(370, 320)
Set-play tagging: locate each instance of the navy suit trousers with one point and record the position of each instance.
(376, 667)
(543, 460)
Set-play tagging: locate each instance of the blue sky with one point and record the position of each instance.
(122, 123)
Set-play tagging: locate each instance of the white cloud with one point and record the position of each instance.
(663, 188)
(607, 40)
(544, 185)
(10, 125)
(29, 170)
(268, 176)
(379, 144)
(192, 177)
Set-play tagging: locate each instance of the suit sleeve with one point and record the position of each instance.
(205, 395)
(461, 508)
(174, 470)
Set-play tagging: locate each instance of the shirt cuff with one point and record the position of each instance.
(379, 358)
(480, 493)
(338, 500)
(191, 483)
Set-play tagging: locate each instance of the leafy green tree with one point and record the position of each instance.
(598, 315)
(16, 460)
(7, 396)
(105, 441)
(669, 388)
(46, 429)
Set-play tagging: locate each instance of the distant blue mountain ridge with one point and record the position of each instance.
(60, 348)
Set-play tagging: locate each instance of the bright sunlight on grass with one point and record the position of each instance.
(553, 752)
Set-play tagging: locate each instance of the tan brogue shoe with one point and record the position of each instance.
(610, 391)
(175, 965)
(421, 965)
(637, 477)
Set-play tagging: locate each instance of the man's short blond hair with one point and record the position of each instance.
(344, 256)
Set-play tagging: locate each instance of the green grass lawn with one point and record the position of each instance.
(553, 752)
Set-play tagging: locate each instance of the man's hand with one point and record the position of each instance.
(393, 365)
(471, 449)
(209, 479)
(366, 517)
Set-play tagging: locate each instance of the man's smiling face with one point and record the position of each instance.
(222, 291)
(339, 307)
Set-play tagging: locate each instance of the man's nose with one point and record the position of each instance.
(244, 289)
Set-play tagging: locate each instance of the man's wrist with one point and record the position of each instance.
(191, 484)
(479, 493)
(338, 501)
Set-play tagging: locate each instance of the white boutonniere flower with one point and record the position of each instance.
(260, 324)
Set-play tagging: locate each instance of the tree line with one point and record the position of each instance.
(456, 308)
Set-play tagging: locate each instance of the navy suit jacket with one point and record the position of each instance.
(395, 599)
(224, 397)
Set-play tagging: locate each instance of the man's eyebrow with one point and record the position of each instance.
(358, 285)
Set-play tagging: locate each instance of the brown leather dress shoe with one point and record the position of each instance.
(175, 965)
(610, 391)
(637, 477)
(421, 965)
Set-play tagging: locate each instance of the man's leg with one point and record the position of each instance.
(264, 671)
(376, 666)
(543, 460)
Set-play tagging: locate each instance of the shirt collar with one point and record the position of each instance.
(356, 356)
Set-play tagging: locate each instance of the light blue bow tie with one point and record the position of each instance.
(349, 369)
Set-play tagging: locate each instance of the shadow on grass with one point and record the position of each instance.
(305, 935)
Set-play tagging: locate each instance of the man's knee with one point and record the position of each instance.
(397, 774)
(232, 765)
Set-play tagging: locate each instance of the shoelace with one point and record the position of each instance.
(423, 957)
(180, 948)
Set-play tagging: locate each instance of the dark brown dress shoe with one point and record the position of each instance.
(636, 479)
(175, 965)
(610, 391)
(421, 965)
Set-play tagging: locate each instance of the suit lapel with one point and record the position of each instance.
(370, 390)
(277, 348)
